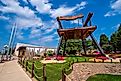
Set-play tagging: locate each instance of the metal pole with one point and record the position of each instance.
(12, 43)
(10, 40)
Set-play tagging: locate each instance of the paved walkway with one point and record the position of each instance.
(11, 71)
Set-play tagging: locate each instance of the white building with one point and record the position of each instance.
(36, 49)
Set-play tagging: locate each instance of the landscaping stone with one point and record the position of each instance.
(82, 71)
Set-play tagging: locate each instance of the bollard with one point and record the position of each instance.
(32, 74)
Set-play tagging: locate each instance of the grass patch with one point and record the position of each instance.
(53, 70)
(77, 59)
(104, 77)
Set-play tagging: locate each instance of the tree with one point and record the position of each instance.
(119, 38)
(49, 52)
(103, 40)
(72, 46)
(89, 43)
(113, 41)
(107, 48)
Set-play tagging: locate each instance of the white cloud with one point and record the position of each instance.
(116, 26)
(4, 18)
(116, 8)
(25, 17)
(48, 27)
(116, 5)
(76, 22)
(109, 14)
(64, 10)
(19, 35)
(43, 6)
(83, 3)
(43, 40)
(25, 1)
(28, 22)
(14, 7)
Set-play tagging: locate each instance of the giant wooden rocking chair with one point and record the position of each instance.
(77, 32)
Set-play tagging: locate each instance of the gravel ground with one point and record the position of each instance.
(82, 71)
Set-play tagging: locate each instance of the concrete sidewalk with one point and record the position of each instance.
(11, 71)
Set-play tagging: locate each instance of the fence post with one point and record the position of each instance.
(63, 76)
(85, 59)
(72, 66)
(32, 74)
(77, 60)
(23, 63)
(44, 72)
(120, 61)
(69, 64)
(103, 60)
(94, 60)
(73, 61)
(111, 60)
(26, 64)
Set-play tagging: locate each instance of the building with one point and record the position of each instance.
(31, 50)
(28, 48)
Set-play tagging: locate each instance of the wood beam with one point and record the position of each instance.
(67, 18)
(88, 19)
(59, 22)
(64, 47)
(84, 47)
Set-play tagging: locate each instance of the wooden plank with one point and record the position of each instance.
(77, 33)
(67, 18)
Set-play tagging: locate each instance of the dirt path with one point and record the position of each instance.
(82, 71)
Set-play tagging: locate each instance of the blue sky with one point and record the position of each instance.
(36, 19)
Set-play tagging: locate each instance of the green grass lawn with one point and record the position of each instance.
(53, 71)
(80, 59)
(104, 77)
